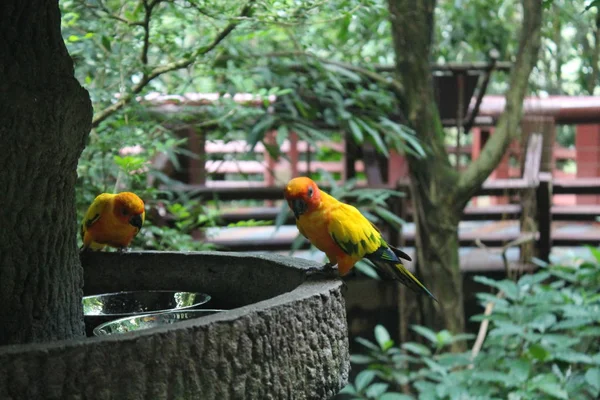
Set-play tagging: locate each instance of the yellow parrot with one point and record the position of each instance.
(112, 220)
(344, 234)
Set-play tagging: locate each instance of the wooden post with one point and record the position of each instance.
(372, 167)
(294, 154)
(350, 155)
(531, 171)
(538, 159)
(544, 217)
(587, 144)
(197, 165)
(397, 168)
(269, 175)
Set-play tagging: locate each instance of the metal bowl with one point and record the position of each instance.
(148, 321)
(101, 308)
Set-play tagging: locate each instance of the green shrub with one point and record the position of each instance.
(543, 343)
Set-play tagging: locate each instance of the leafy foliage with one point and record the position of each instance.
(542, 344)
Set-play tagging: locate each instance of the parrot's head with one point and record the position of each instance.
(302, 195)
(129, 208)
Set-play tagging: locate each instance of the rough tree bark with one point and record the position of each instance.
(440, 193)
(45, 116)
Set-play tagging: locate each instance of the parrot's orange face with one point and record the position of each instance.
(302, 195)
(129, 208)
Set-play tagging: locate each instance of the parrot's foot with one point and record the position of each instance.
(123, 250)
(329, 266)
(328, 270)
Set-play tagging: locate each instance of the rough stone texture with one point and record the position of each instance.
(290, 346)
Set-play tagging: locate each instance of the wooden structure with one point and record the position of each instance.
(232, 172)
(533, 179)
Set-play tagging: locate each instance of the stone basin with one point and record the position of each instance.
(283, 336)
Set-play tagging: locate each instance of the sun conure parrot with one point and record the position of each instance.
(344, 234)
(112, 220)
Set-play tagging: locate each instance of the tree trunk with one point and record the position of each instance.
(433, 178)
(45, 116)
(439, 192)
(439, 265)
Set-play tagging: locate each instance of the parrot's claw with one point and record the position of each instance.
(328, 266)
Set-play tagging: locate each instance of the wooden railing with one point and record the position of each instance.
(532, 180)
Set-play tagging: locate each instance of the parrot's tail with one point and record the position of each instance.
(400, 273)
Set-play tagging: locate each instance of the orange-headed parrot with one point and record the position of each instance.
(344, 234)
(112, 220)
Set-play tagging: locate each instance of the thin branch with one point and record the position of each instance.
(508, 123)
(110, 15)
(146, 26)
(163, 69)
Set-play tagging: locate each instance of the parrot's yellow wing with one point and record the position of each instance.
(358, 237)
(355, 235)
(94, 213)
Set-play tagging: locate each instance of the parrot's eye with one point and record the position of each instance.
(310, 191)
(125, 212)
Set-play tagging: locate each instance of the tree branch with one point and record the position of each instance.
(110, 15)
(508, 123)
(163, 69)
(146, 25)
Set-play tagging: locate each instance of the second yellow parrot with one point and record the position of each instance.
(112, 220)
(344, 234)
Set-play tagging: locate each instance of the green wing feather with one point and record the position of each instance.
(359, 238)
(386, 260)
(350, 230)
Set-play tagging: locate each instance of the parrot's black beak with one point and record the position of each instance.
(136, 221)
(298, 206)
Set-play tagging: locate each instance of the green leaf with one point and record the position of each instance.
(543, 322)
(365, 267)
(356, 132)
(367, 344)
(510, 289)
(444, 338)
(519, 370)
(348, 389)
(538, 352)
(376, 389)
(395, 396)
(343, 71)
(490, 376)
(361, 359)
(383, 337)
(258, 131)
(377, 141)
(553, 390)
(282, 215)
(573, 357)
(595, 252)
(592, 377)
(395, 221)
(533, 279)
(106, 43)
(416, 348)
(426, 333)
(363, 379)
